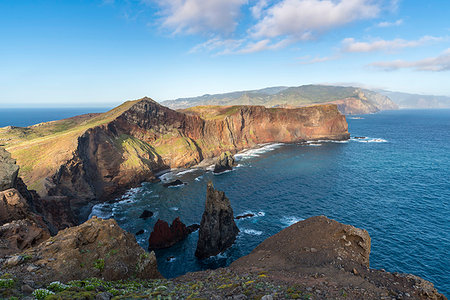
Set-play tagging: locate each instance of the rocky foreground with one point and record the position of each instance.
(317, 258)
(76, 162)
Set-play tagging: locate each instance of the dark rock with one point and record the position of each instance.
(245, 216)
(170, 258)
(218, 230)
(177, 182)
(8, 170)
(146, 214)
(140, 232)
(192, 228)
(225, 162)
(359, 137)
(164, 236)
(27, 289)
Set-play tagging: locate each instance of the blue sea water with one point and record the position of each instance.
(395, 184)
(23, 117)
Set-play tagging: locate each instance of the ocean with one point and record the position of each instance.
(395, 183)
(23, 117)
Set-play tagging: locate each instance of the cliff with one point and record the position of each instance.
(93, 157)
(350, 100)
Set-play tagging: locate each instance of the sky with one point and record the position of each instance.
(104, 52)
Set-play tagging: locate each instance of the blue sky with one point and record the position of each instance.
(103, 52)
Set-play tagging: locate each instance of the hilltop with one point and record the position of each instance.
(94, 157)
(350, 100)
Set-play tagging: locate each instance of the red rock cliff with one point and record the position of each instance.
(148, 138)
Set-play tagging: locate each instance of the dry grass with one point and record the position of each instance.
(40, 149)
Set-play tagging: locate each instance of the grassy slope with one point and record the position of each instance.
(42, 148)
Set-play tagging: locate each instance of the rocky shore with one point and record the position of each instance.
(95, 158)
(44, 254)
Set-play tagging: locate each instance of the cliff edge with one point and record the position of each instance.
(94, 157)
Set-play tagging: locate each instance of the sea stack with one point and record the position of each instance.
(218, 230)
(224, 163)
(164, 236)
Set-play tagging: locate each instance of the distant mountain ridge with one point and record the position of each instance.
(350, 100)
(406, 100)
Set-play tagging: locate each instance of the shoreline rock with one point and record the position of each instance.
(218, 230)
(225, 162)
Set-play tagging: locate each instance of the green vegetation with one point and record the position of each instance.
(7, 283)
(42, 293)
(292, 96)
(219, 283)
(40, 149)
(99, 264)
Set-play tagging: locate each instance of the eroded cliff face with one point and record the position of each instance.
(147, 138)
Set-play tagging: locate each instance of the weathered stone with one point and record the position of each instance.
(20, 228)
(326, 240)
(218, 230)
(8, 170)
(224, 162)
(164, 236)
(96, 248)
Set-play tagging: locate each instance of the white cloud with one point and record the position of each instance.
(258, 8)
(218, 45)
(351, 45)
(436, 64)
(238, 46)
(200, 16)
(390, 24)
(301, 19)
(308, 60)
(265, 44)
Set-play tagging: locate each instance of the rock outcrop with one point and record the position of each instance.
(224, 162)
(20, 228)
(97, 248)
(330, 257)
(218, 230)
(317, 241)
(8, 170)
(164, 236)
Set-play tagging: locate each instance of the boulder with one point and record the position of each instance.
(146, 214)
(96, 248)
(164, 236)
(177, 182)
(218, 230)
(8, 170)
(224, 162)
(244, 216)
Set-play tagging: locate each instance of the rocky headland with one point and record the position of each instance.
(90, 158)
